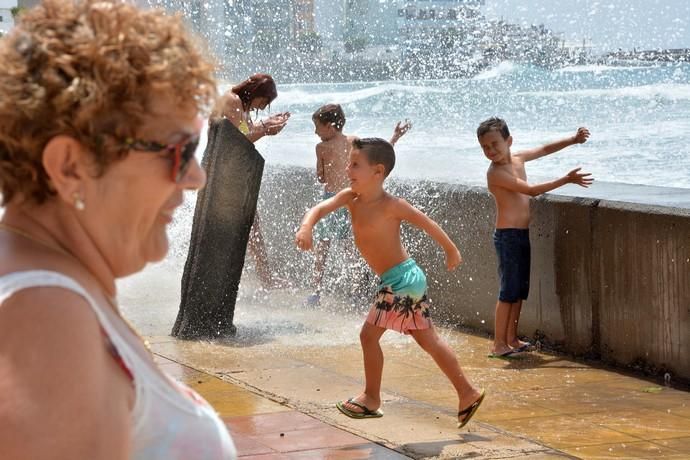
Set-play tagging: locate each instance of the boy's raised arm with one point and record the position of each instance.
(580, 137)
(303, 238)
(400, 130)
(507, 181)
(420, 220)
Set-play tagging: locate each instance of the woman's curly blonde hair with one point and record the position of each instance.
(87, 69)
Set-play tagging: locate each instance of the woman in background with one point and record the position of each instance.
(254, 94)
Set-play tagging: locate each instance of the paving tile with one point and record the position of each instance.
(504, 445)
(214, 387)
(312, 438)
(315, 386)
(161, 360)
(474, 445)
(644, 424)
(185, 374)
(405, 421)
(153, 339)
(276, 456)
(681, 445)
(242, 402)
(498, 407)
(247, 445)
(564, 431)
(586, 398)
(362, 451)
(535, 403)
(272, 423)
(628, 450)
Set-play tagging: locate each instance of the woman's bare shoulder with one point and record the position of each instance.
(47, 317)
(54, 350)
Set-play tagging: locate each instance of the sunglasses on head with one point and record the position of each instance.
(180, 153)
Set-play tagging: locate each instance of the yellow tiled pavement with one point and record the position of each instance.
(288, 361)
(562, 407)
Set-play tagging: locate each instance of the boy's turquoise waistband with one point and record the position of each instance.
(397, 271)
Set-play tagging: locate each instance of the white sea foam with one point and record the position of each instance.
(596, 68)
(504, 68)
(293, 95)
(669, 91)
(639, 121)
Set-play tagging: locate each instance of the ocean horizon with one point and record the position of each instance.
(639, 117)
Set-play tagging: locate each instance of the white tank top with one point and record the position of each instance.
(169, 420)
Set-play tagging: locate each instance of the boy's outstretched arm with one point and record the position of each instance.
(400, 130)
(303, 238)
(580, 137)
(420, 220)
(507, 181)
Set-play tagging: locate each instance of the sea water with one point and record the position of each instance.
(639, 117)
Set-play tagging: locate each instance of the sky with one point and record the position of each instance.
(608, 24)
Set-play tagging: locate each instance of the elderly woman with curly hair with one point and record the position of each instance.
(99, 121)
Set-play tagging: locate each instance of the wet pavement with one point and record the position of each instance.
(276, 382)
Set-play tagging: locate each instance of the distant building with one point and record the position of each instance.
(329, 22)
(272, 23)
(303, 17)
(422, 20)
(6, 18)
(355, 36)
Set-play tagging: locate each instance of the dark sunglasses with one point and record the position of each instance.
(181, 153)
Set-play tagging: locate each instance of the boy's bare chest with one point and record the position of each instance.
(515, 169)
(518, 169)
(366, 219)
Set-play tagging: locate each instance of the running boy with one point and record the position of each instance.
(331, 158)
(507, 182)
(401, 303)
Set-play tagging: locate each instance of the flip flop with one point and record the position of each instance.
(505, 354)
(366, 412)
(522, 348)
(470, 410)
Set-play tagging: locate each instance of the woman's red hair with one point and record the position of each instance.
(258, 85)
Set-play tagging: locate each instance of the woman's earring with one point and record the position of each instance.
(79, 204)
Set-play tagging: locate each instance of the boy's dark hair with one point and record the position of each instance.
(493, 124)
(330, 114)
(378, 151)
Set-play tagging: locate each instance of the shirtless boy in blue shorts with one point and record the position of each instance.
(331, 158)
(507, 182)
(401, 303)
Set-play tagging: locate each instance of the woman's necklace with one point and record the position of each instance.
(58, 248)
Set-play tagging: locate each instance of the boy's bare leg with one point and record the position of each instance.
(322, 248)
(369, 337)
(445, 359)
(257, 248)
(503, 310)
(511, 336)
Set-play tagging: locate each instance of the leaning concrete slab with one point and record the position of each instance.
(223, 216)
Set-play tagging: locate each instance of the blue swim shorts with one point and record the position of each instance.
(335, 226)
(401, 303)
(513, 252)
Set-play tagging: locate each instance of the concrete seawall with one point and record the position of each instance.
(609, 279)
